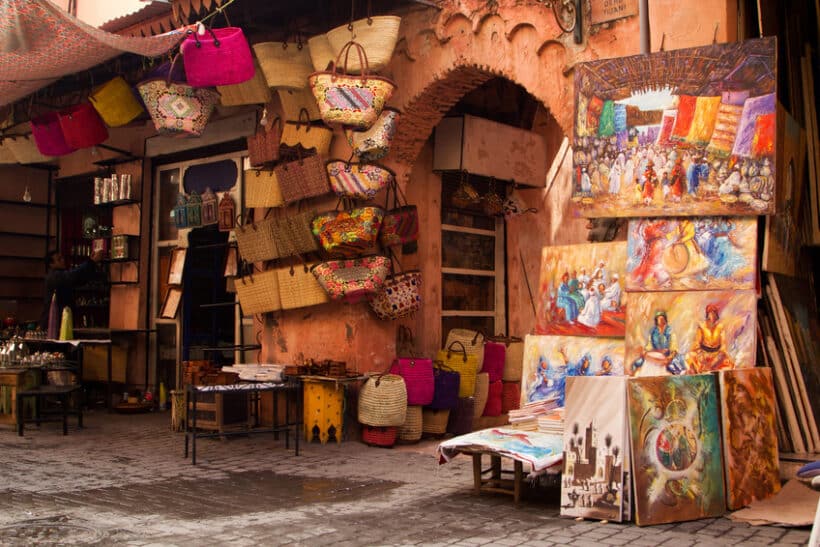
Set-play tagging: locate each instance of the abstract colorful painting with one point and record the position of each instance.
(595, 446)
(700, 253)
(548, 360)
(751, 460)
(689, 332)
(581, 290)
(688, 132)
(676, 453)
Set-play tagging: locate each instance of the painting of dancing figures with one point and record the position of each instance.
(549, 360)
(581, 288)
(691, 253)
(672, 333)
(688, 132)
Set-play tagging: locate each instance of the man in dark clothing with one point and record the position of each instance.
(61, 281)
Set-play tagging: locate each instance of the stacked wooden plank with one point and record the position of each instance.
(788, 349)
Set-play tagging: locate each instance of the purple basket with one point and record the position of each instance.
(445, 391)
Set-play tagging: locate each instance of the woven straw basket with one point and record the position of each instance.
(6, 155)
(321, 53)
(434, 422)
(24, 149)
(482, 391)
(115, 102)
(298, 288)
(254, 91)
(383, 401)
(262, 189)
(410, 431)
(513, 360)
(473, 343)
(284, 64)
(293, 101)
(293, 234)
(377, 34)
(465, 364)
(307, 136)
(256, 241)
(259, 293)
(379, 436)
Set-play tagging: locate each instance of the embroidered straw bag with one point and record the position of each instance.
(177, 108)
(383, 401)
(348, 233)
(357, 180)
(352, 280)
(284, 64)
(373, 144)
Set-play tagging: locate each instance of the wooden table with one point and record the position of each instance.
(13, 380)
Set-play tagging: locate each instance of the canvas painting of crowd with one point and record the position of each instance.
(749, 435)
(548, 360)
(667, 254)
(595, 448)
(581, 290)
(676, 452)
(671, 333)
(689, 132)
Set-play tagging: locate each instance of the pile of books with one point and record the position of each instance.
(257, 373)
(530, 416)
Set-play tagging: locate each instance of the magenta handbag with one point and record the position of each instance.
(82, 126)
(494, 399)
(219, 57)
(48, 135)
(494, 356)
(418, 378)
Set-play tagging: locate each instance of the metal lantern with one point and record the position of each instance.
(194, 210)
(208, 207)
(181, 211)
(227, 213)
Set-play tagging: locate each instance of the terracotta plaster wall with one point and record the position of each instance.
(678, 25)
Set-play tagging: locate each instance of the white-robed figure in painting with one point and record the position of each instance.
(611, 299)
(591, 313)
(615, 178)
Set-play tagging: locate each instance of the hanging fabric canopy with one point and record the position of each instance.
(40, 43)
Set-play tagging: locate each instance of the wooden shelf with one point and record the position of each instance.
(24, 204)
(23, 234)
(117, 203)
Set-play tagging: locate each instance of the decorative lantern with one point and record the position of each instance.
(194, 210)
(208, 207)
(227, 213)
(181, 211)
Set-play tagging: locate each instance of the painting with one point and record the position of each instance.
(676, 453)
(689, 132)
(548, 360)
(751, 460)
(699, 253)
(581, 290)
(670, 333)
(177, 266)
(595, 446)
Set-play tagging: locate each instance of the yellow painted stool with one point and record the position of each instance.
(324, 409)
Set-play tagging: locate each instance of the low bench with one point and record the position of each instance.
(60, 393)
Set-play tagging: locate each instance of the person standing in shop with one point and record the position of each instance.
(61, 281)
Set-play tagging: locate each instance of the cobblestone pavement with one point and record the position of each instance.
(122, 480)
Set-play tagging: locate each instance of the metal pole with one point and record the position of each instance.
(643, 14)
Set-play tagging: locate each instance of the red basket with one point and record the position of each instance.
(48, 135)
(511, 396)
(379, 436)
(494, 354)
(82, 126)
(493, 406)
(221, 56)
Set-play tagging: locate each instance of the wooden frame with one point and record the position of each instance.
(231, 268)
(177, 266)
(170, 303)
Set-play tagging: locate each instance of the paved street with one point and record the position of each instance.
(122, 480)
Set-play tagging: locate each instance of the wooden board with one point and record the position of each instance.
(782, 388)
(811, 133)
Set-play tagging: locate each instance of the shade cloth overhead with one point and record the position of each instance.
(40, 43)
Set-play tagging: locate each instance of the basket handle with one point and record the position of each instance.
(363, 62)
(195, 34)
(450, 349)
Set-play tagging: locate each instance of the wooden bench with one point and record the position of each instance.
(62, 394)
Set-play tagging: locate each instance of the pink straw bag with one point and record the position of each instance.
(48, 135)
(494, 360)
(220, 57)
(418, 378)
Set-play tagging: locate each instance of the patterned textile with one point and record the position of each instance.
(357, 180)
(683, 121)
(348, 233)
(606, 124)
(703, 123)
(39, 43)
(723, 137)
(752, 108)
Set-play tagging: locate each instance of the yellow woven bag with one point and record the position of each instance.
(115, 102)
(457, 358)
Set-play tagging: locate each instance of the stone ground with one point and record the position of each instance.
(123, 480)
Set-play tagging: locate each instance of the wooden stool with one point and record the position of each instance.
(61, 393)
(494, 482)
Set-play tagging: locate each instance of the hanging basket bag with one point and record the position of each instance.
(357, 180)
(298, 288)
(256, 241)
(373, 144)
(82, 126)
(383, 401)
(401, 222)
(399, 297)
(253, 91)
(177, 108)
(259, 292)
(48, 135)
(321, 54)
(446, 384)
(473, 342)
(302, 133)
(493, 365)
(352, 280)
(494, 399)
(302, 179)
(418, 378)
(355, 101)
(262, 189)
(410, 430)
(461, 417)
(293, 101)
(379, 436)
(263, 146)
(24, 149)
(434, 422)
(348, 233)
(377, 35)
(115, 102)
(284, 64)
(457, 359)
(218, 57)
(293, 234)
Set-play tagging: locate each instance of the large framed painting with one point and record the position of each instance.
(694, 332)
(689, 132)
(751, 460)
(595, 448)
(676, 453)
(581, 290)
(700, 253)
(548, 360)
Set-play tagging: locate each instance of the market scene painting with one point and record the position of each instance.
(549, 360)
(676, 453)
(671, 333)
(581, 290)
(691, 253)
(677, 133)
(749, 435)
(595, 448)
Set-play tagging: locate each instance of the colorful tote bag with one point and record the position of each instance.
(446, 383)
(399, 297)
(352, 280)
(82, 126)
(357, 180)
(219, 57)
(348, 233)
(355, 101)
(48, 135)
(374, 143)
(401, 223)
